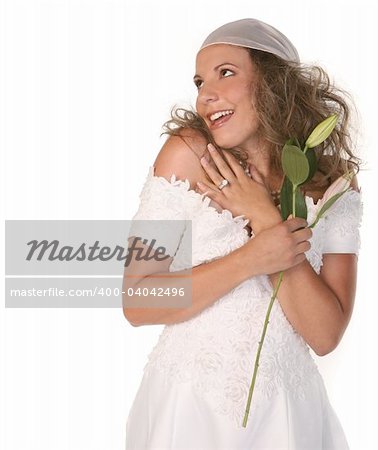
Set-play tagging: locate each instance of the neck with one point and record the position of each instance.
(259, 157)
(258, 153)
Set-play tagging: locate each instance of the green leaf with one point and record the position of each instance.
(312, 162)
(286, 201)
(300, 205)
(286, 198)
(295, 164)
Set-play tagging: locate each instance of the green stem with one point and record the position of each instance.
(316, 221)
(267, 316)
(305, 149)
(293, 205)
(261, 342)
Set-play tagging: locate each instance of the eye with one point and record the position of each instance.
(226, 70)
(197, 83)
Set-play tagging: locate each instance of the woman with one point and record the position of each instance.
(253, 94)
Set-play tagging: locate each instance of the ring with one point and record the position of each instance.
(223, 183)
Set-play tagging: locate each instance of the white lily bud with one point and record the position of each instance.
(322, 131)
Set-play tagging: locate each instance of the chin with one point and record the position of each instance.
(231, 138)
(228, 141)
(225, 142)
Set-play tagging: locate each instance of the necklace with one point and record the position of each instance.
(274, 194)
(276, 197)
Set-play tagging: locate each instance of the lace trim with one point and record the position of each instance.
(185, 186)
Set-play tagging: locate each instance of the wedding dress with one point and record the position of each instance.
(195, 384)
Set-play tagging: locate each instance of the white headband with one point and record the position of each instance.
(253, 33)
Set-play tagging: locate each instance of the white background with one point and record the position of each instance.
(85, 88)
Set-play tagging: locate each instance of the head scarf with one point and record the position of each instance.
(253, 33)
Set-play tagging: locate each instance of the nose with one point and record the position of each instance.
(208, 93)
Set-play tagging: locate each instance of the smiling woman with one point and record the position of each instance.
(218, 169)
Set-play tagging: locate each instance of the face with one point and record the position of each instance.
(225, 79)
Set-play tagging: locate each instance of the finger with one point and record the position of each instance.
(303, 247)
(213, 193)
(303, 234)
(211, 171)
(234, 164)
(205, 188)
(296, 223)
(223, 167)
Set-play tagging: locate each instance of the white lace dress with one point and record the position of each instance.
(195, 384)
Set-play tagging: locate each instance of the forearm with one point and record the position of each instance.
(208, 283)
(311, 307)
(271, 250)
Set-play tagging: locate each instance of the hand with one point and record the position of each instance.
(279, 247)
(243, 195)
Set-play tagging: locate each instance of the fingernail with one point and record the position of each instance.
(204, 161)
(211, 147)
(199, 184)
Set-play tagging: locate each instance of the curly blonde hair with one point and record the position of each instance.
(290, 100)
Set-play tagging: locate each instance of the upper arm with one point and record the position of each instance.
(175, 157)
(339, 272)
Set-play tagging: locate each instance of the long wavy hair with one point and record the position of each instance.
(290, 100)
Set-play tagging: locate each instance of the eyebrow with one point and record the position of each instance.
(216, 68)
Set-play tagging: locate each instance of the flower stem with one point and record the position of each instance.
(267, 316)
(293, 204)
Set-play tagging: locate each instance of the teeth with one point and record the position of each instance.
(216, 115)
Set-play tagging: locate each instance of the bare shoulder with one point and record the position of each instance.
(180, 155)
(195, 140)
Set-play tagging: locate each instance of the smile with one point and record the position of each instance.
(219, 118)
(219, 114)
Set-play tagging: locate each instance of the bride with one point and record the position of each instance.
(220, 169)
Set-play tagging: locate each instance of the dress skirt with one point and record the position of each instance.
(173, 416)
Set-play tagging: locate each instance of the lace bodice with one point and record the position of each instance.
(215, 350)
